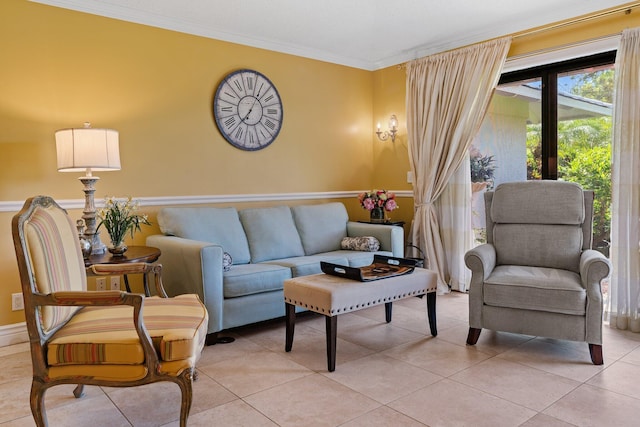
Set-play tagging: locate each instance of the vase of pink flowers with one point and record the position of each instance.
(378, 202)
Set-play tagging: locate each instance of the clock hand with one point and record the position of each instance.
(250, 109)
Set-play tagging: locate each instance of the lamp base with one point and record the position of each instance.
(97, 247)
(89, 214)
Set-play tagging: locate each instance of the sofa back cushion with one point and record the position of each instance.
(215, 225)
(271, 233)
(538, 223)
(321, 227)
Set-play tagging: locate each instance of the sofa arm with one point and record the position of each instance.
(391, 237)
(193, 267)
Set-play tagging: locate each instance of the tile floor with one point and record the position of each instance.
(386, 375)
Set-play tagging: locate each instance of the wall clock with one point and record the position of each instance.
(248, 110)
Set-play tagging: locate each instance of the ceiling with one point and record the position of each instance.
(366, 34)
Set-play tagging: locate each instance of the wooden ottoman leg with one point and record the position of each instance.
(331, 326)
(431, 312)
(290, 322)
(388, 306)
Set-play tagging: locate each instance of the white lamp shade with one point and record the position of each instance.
(87, 149)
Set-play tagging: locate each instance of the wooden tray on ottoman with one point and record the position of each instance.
(382, 267)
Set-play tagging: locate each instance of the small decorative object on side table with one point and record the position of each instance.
(85, 244)
(134, 254)
(119, 217)
(377, 202)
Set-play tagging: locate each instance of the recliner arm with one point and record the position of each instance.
(594, 267)
(481, 260)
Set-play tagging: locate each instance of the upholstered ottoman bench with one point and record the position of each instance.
(331, 296)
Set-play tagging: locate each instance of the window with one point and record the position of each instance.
(549, 122)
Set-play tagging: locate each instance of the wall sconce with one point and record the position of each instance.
(88, 150)
(393, 129)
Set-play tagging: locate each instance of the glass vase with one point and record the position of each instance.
(118, 250)
(377, 215)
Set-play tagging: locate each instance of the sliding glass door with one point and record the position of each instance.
(550, 122)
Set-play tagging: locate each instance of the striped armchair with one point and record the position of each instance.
(106, 338)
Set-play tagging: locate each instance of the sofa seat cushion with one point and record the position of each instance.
(105, 335)
(271, 233)
(321, 226)
(536, 288)
(250, 279)
(305, 265)
(356, 258)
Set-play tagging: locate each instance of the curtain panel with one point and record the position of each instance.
(447, 97)
(624, 292)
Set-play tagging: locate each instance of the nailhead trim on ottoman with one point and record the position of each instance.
(332, 295)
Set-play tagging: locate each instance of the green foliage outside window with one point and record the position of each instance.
(584, 151)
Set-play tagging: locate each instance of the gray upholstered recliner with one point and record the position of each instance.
(537, 274)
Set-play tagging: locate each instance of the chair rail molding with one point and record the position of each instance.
(15, 206)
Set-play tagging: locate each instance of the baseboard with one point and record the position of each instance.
(13, 334)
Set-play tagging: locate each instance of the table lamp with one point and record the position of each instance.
(88, 150)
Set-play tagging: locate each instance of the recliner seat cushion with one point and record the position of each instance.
(535, 288)
(105, 334)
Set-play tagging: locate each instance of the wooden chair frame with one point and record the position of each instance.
(38, 340)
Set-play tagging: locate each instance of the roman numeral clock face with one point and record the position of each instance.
(248, 110)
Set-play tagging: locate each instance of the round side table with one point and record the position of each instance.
(133, 254)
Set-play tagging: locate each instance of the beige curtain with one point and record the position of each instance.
(447, 97)
(624, 292)
(454, 214)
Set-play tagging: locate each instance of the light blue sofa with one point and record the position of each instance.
(268, 245)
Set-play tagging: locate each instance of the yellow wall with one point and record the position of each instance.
(392, 160)
(61, 68)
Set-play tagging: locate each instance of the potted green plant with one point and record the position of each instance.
(482, 169)
(120, 217)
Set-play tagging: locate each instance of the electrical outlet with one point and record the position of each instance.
(101, 283)
(114, 282)
(17, 303)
